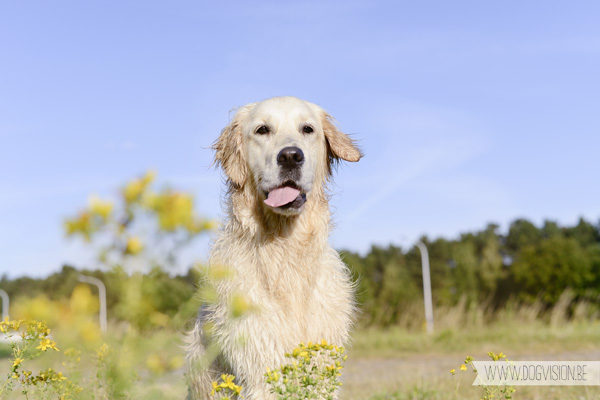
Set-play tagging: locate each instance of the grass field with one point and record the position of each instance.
(397, 364)
(383, 364)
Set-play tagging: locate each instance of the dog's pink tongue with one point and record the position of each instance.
(281, 196)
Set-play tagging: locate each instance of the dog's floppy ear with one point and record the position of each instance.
(339, 145)
(229, 150)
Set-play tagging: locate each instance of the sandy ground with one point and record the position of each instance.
(364, 377)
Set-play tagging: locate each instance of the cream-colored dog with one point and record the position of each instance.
(278, 156)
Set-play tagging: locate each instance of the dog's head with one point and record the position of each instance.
(284, 146)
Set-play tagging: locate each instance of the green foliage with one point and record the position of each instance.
(528, 263)
(551, 266)
(312, 373)
(384, 284)
(521, 233)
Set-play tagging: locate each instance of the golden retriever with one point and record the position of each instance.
(278, 156)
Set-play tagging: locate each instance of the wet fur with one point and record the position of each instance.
(300, 288)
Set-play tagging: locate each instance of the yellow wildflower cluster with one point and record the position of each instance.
(90, 220)
(28, 330)
(82, 224)
(495, 356)
(226, 388)
(7, 326)
(463, 367)
(313, 371)
(100, 207)
(32, 335)
(47, 344)
(49, 375)
(172, 210)
(102, 352)
(134, 190)
(176, 210)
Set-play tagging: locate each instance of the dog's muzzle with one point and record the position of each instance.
(288, 196)
(290, 158)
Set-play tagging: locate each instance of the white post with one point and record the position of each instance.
(5, 303)
(101, 293)
(426, 286)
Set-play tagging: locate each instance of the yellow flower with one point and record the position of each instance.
(155, 363)
(453, 371)
(60, 377)
(47, 343)
(134, 245)
(17, 361)
(239, 305)
(149, 177)
(495, 356)
(133, 190)
(100, 207)
(102, 352)
(463, 367)
(227, 384)
(228, 381)
(175, 210)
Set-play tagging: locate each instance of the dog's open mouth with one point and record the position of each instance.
(285, 196)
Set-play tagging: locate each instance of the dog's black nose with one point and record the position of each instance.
(290, 157)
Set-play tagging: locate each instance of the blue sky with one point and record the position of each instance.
(468, 112)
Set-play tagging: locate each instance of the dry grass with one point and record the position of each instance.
(400, 362)
(403, 362)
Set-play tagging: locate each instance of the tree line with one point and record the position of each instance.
(527, 264)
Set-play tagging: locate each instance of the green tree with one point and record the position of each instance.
(584, 232)
(521, 233)
(551, 266)
(464, 258)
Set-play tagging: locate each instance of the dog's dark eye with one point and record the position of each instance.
(262, 130)
(307, 129)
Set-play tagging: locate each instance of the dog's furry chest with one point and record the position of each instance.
(304, 292)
